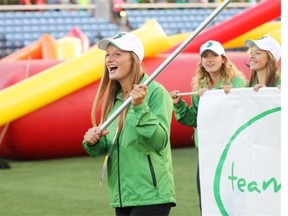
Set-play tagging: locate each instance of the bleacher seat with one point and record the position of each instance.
(2, 37)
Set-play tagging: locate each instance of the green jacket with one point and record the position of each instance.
(277, 80)
(140, 165)
(188, 115)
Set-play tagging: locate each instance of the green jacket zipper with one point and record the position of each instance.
(119, 183)
(152, 170)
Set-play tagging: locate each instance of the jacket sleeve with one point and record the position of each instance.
(97, 149)
(152, 118)
(187, 115)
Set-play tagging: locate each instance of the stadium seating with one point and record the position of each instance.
(18, 29)
(176, 21)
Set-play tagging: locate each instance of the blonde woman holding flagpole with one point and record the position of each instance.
(137, 144)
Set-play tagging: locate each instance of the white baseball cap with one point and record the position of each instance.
(214, 46)
(266, 43)
(124, 41)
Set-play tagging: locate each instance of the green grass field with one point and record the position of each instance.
(70, 186)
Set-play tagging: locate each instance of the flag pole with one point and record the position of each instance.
(167, 61)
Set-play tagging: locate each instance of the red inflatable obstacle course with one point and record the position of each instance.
(54, 131)
(14, 72)
(51, 124)
(57, 129)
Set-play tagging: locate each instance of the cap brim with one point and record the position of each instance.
(211, 51)
(103, 44)
(249, 43)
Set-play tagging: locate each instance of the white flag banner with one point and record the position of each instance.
(239, 138)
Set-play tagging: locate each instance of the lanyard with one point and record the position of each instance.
(104, 167)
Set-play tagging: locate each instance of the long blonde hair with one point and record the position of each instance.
(272, 76)
(108, 90)
(203, 79)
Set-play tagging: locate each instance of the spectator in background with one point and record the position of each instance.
(52, 1)
(83, 2)
(9, 2)
(68, 2)
(132, 1)
(29, 2)
(115, 9)
(33, 2)
(147, 1)
(62, 2)
(198, 1)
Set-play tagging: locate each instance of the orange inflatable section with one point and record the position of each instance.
(32, 51)
(47, 47)
(44, 48)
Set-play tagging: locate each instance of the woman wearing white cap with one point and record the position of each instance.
(140, 174)
(263, 56)
(214, 71)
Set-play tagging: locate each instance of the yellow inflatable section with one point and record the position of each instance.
(271, 28)
(65, 78)
(68, 47)
(261, 30)
(158, 42)
(276, 34)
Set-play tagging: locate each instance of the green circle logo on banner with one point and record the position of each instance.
(217, 177)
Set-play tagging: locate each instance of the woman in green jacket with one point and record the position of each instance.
(214, 71)
(137, 143)
(264, 54)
